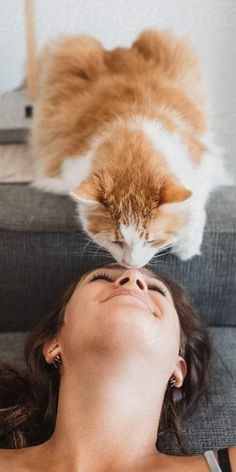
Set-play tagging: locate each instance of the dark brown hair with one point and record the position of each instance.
(28, 400)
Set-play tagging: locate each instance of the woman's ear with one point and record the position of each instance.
(180, 372)
(51, 349)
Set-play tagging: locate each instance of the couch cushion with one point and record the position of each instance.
(213, 424)
(43, 249)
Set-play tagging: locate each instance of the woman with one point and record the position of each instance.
(118, 363)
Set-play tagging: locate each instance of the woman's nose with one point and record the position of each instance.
(132, 277)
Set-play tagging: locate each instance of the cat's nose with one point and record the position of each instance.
(132, 277)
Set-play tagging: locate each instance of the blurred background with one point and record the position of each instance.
(210, 25)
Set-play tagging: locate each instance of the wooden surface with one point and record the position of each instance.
(16, 163)
(31, 49)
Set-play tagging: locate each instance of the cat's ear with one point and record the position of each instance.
(172, 191)
(88, 193)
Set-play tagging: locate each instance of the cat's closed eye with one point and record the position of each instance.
(118, 243)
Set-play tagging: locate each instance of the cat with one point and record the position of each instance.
(126, 134)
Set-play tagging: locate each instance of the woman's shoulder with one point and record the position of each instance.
(225, 458)
(197, 463)
(7, 459)
(168, 463)
(16, 460)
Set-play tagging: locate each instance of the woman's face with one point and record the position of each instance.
(122, 314)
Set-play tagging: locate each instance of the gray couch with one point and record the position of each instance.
(42, 249)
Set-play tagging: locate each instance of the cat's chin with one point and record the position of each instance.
(127, 265)
(132, 266)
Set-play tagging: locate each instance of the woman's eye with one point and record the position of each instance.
(107, 277)
(158, 289)
(100, 276)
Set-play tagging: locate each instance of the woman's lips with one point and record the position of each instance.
(131, 293)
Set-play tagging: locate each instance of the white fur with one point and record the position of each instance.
(74, 170)
(201, 178)
(136, 252)
(210, 172)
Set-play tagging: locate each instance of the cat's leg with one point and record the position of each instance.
(55, 185)
(67, 69)
(190, 240)
(72, 63)
(73, 171)
(175, 57)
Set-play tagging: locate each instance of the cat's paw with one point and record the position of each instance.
(189, 243)
(186, 252)
(51, 184)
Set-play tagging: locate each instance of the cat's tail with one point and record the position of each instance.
(173, 57)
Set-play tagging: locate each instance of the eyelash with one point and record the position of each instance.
(102, 275)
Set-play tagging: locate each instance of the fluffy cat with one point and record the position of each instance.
(126, 133)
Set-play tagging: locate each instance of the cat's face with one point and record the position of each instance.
(134, 227)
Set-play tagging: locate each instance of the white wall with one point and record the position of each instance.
(211, 25)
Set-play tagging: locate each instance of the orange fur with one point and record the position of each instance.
(83, 88)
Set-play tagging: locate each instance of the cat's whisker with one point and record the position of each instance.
(98, 249)
(101, 248)
(85, 246)
(107, 258)
(159, 256)
(105, 234)
(155, 267)
(92, 240)
(171, 251)
(170, 245)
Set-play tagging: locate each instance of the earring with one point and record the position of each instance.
(57, 361)
(172, 381)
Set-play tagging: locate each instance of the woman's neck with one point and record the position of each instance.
(108, 417)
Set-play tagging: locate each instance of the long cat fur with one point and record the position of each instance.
(126, 132)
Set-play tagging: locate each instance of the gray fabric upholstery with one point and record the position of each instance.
(213, 424)
(12, 347)
(24, 208)
(43, 249)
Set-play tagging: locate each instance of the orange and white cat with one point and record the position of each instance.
(126, 133)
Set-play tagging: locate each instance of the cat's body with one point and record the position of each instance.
(126, 133)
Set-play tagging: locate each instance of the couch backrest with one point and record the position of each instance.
(42, 252)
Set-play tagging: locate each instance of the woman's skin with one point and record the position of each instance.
(118, 355)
